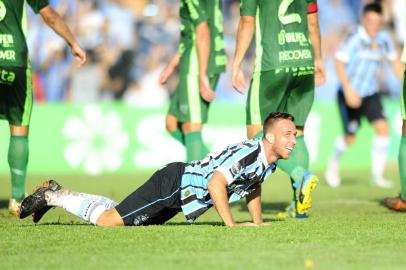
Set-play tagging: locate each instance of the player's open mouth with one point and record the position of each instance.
(289, 148)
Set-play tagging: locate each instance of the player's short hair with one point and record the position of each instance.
(274, 117)
(372, 7)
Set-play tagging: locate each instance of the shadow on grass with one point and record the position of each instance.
(3, 204)
(56, 223)
(215, 223)
(267, 207)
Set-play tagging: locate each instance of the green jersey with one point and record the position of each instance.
(282, 38)
(13, 31)
(192, 13)
(404, 54)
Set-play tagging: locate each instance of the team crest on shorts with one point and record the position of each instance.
(3, 10)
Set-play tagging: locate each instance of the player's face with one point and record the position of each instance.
(284, 138)
(372, 22)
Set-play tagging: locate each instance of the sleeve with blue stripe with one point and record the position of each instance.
(234, 165)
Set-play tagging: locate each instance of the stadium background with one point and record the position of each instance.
(108, 116)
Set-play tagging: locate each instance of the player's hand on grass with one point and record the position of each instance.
(352, 99)
(205, 89)
(319, 73)
(238, 80)
(79, 54)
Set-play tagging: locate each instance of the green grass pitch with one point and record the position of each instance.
(348, 229)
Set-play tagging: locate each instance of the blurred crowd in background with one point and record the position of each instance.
(129, 42)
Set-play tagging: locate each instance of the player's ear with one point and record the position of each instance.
(270, 138)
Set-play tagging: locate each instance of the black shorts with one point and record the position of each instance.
(371, 108)
(157, 200)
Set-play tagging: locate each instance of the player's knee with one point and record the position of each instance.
(110, 218)
(171, 123)
(191, 127)
(404, 127)
(19, 130)
(350, 139)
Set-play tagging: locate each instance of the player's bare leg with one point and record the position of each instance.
(110, 218)
(341, 144)
(172, 126)
(17, 160)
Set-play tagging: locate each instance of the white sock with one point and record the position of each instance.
(339, 148)
(380, 147)
(85, 206)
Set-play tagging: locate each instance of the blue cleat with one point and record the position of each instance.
(304, 192)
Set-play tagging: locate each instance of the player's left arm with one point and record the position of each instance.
(203, 53)
(314, 35)
(254, 206)
(53, 20)
(245, 33)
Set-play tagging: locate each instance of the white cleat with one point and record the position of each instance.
(332, 174)
(382, 182)
(13, 207)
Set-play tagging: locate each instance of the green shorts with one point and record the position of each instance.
(281, 90)
(16, 95)
(402, 99)
(186, 104)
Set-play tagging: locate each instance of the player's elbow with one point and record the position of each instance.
(49, 15)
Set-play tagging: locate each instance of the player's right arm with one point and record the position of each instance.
(53, 20)
(343, 56)
(168, 70)
(199, 19)
(352, 99)
(246, 30)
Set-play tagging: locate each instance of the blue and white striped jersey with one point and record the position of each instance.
(363, 56)
(244, 165)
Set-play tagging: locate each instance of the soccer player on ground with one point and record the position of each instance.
(15, 81)
(399, 203)
(219, 179)
(201, 59)
(357, 64)
(288, 65)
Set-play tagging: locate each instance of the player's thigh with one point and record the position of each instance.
(173, 109)
(267, 93)
(155, 199)
(110, 218)
(402, 104)
(301, 94)
(350, 118)
(373, 110)
(16, 95)
(192, 107)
